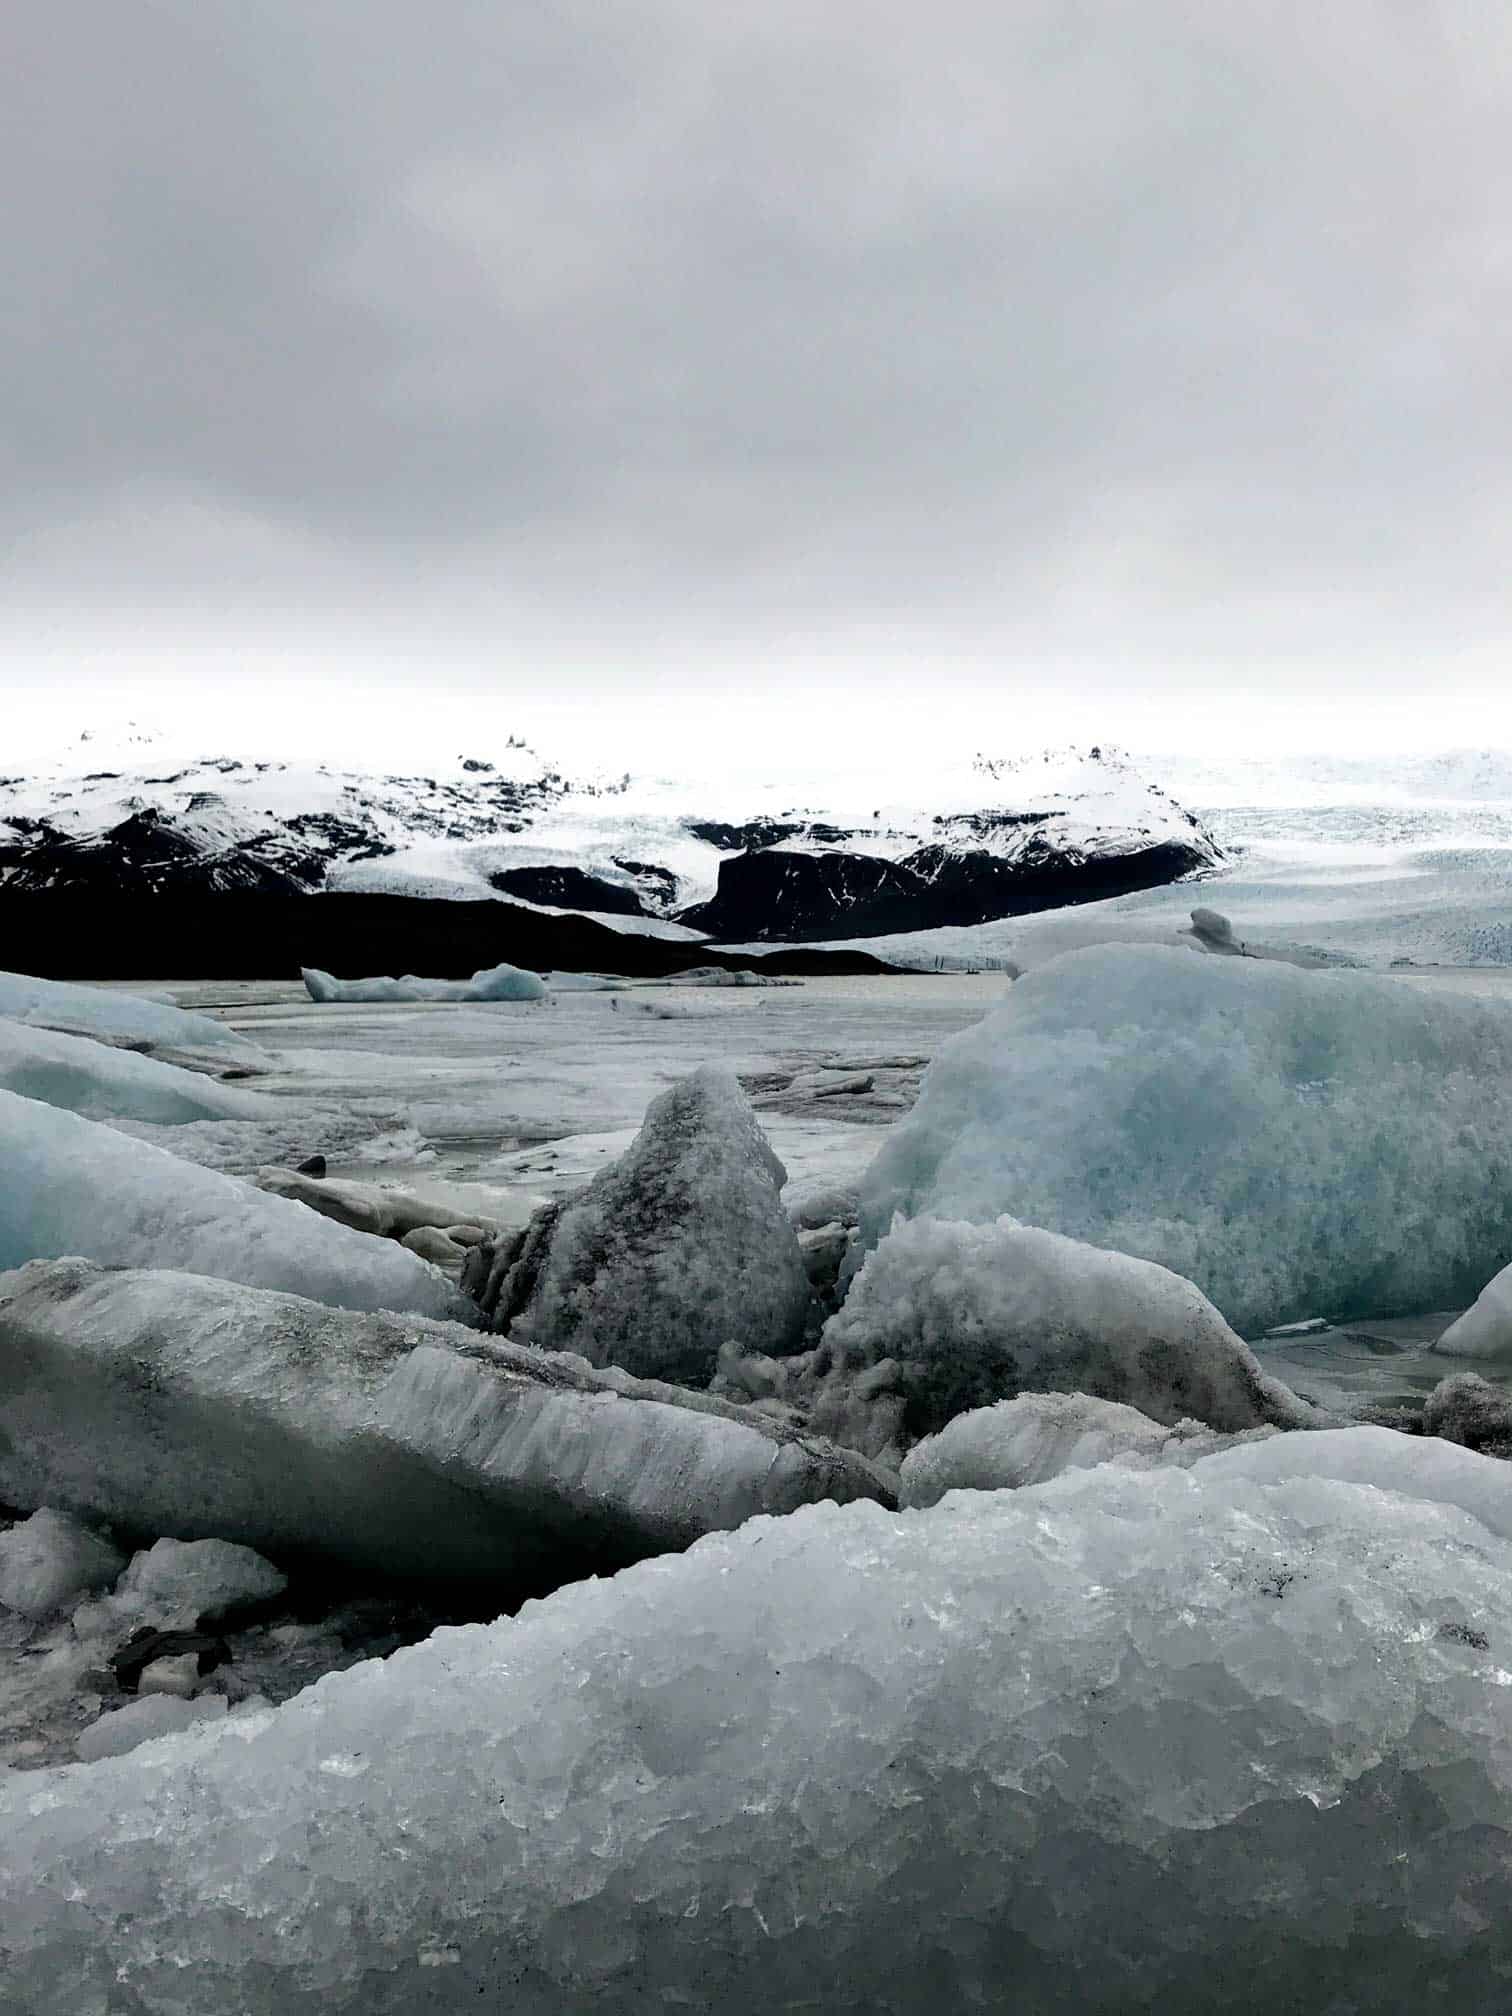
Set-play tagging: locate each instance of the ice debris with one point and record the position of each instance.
(173, 1403)
(1295, 1143)
(1467, 1409)
(50, 1560)
(1181, 1740)
(72, 1186)
(492, 983)
(676, 1248)
(976, 1313)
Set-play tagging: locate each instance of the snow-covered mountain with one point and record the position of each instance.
(651, 854)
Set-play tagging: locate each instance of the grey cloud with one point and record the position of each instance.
(1047, 320)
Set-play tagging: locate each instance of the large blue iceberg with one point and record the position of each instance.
(1298, 1144)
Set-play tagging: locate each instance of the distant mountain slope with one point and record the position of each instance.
(999, 839)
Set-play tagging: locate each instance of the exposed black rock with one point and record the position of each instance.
(568, 889)
(78, 934)
(775, 894)
(145, 855)
(145, 1646)
(781, 895)
(970, 887)
(658, 886)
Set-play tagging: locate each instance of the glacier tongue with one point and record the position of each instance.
(1181, 1740)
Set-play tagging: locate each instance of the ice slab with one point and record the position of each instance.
(75, 1187)
(977, 1313)
(103, 1082)
(391, 1211)
(49, 1561)
(1036, 1436)
(177, 1404)
(584, 983)
(130, 1020)
(1298, 1144)
(1177, 1740)
(491, 983)
(122, 1730)
(1422, 1468)
(1485, 1328)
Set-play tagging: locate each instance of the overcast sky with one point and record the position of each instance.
(1013, 365)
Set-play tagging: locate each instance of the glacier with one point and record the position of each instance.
(1296, 1143)
(74, 1186)
(1188, 1739)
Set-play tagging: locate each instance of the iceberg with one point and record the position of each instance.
(675, 1249)
(1179, 1740)
(75, 1187)
(185, 1584)
(169, 1403)
(1295, 1143)
(1036, 1436)
(492, 983)
(976, 1313)
(102, 1082)
(129, 1020)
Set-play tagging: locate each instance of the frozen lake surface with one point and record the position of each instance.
(539, 1097)
(534, 1100)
